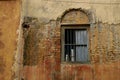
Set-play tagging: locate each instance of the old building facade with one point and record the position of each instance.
(45, 53)
(60, 40)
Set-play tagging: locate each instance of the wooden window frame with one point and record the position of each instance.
(73, 26)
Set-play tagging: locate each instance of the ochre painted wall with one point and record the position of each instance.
(9, 23)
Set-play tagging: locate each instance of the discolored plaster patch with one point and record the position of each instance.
(31, 39)
(1, 45)
(2, 65)
(0, 33)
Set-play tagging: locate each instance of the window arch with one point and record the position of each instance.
(75, 36)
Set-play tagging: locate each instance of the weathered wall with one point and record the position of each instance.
(106, 11)
(42, 49)
(9, 23)
(42, 53)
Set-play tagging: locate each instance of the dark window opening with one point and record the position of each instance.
(75, 45)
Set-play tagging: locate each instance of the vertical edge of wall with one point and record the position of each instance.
(18, 57)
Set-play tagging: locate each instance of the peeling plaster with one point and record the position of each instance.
(18, 57)
(106, 13)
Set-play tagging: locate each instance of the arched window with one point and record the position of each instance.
(75, 36)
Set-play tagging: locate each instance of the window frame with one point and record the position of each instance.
(73, 26)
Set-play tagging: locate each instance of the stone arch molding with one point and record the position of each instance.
(77, 16)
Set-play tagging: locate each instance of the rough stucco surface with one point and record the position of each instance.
(9, 23)
(42, 41)
(106, 11)
(43, 52)
(42, 55)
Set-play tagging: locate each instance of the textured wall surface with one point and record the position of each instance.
(106, 11)
(9, 23)
(42, 48)
(42, 51)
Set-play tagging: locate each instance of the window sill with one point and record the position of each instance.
(76, 63)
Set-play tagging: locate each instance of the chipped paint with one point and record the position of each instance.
(104, 53)
(106, 11)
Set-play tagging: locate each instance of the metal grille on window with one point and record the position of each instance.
(76, 48)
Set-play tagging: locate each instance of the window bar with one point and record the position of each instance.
(74, 37)
(66, 47)
(69, 36)
(68, 33)
(69, 42)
